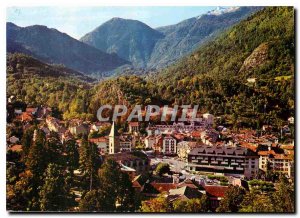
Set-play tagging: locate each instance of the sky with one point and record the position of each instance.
(78, 21)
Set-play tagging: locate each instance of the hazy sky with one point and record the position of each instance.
(80, 20)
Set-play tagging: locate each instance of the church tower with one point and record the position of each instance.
(114, 146)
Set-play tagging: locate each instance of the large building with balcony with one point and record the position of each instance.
(281, 163)
(223, 159)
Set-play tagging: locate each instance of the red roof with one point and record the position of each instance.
(100, 139)
(163, 187)
(196, 134)
(16, 148)
(31, 109)
(216, 191)
(136, 184)
(265, 153)
(26, 116)
(179, 136)
(134, 124)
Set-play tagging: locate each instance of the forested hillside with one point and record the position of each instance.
(220, 75)
(37, 83)
(246, 74)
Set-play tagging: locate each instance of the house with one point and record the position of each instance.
(149, 141)
(251, 80)
(138, 183)
(13, 140)
(215, 193)
(45, 130)
(209, 137)
(102, 144)
(66, 136)
(25, 117)
(153, 189)
(128, 170)
(267, 128)
(169, 145)
(291, 120)
(15, 148)
(184, 147)
(98, 125)
(55, 125)
(277, 161)
(133, 127)
(43, 112)
(224, 160)
(184, 193)
(11, 99)
(125, 142)
(136, 160)
(81, 129)
(18, 111)
(209, 119)
(32, 110)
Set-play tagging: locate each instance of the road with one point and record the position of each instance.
(177, 166)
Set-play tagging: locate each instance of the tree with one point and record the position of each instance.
(284, 197)
(116, 187)
(54, 149)
(255, 202)
(53, 194)
(36, 161)
(22, 195)
(156, 205)
(232, 199)
(162, 168)
(125, 197)
(89, 163)
(91, 201)
(72, 155)
(27, 141)
(195, 205)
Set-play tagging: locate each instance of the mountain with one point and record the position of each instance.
(52, 46)
(132, 40)
(155, 48)
(19, 63)
(183, 38)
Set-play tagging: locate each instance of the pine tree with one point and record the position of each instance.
(89, 163)
(53, 195)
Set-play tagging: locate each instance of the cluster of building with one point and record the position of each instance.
(241, 154)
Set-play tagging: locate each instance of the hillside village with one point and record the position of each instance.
(201, 158)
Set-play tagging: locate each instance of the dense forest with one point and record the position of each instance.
(251, 62)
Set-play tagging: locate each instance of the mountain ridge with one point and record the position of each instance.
(130, 39)
(165, 44)
(52, 46)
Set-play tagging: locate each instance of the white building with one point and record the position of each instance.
(209, 118)
(149, 141)
(169, 145)
(102, 144)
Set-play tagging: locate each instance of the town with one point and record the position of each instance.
(165, 162)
